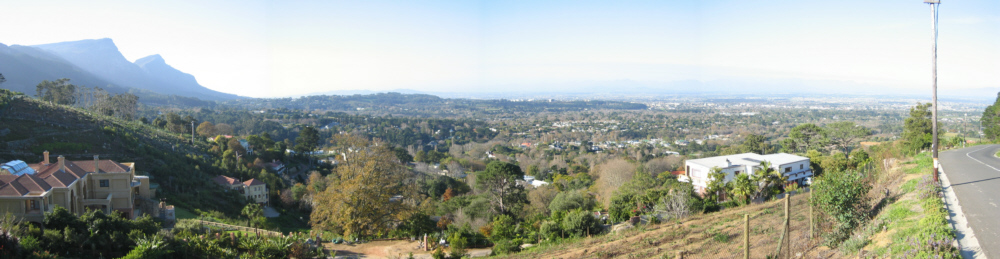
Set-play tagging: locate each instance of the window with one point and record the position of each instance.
(801, 166)
(788, 169)
(35, 205)
(105, 183)
(737, 172)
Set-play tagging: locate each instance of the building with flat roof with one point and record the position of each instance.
(796, 168)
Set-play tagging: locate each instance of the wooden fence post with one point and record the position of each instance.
(788, 231)
(746, 236)
(811, 225)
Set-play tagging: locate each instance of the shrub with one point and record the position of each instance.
(418, 224)
(842, 197)
(458, 245)
(438, 253)
(30, 243)
(571, 200)
(506, 246)
(621, 207)
(580, 223)
(550, 230)
(503, 228)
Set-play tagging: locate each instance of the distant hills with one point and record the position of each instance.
(98, 63)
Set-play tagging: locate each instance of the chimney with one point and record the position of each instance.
(97, 164)
(62, 162)
(728, 163)
(45, 157)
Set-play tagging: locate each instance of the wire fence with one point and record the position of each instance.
(724, 235)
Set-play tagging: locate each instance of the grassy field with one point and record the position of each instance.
(181, 213)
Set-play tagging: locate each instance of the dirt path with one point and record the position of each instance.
(388, 249)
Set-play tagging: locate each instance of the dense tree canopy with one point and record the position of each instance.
(917, 128)
(367, 194)
(806, 136)
(842, 135)
(991, 120)
(308, 140)
(499, 182)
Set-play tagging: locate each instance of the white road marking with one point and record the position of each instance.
(981, 162)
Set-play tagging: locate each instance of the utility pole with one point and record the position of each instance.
(934, 123)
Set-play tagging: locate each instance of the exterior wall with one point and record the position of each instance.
(699, 176)
(19, 208)
(143, 189)
(799, 171)
(72, 197)
(120, 189)
(14, 206)
(257, 193)
(60, 197)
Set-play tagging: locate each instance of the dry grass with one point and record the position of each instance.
(720, 234)
(714, 235)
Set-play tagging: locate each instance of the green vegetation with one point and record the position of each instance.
(920, 225)
(393, 165)
(991, 120)
(842, 197)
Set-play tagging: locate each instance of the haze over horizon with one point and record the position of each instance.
(275, 49)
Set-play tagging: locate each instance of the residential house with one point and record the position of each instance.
(534, 182)
(28, 191)
(796, 168)
(246, 146)
(253, 189)
(256, 191)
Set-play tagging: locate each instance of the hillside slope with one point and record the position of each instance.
(905, 214)
(28, 127)
(713, 235)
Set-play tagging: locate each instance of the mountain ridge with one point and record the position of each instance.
(100, 63)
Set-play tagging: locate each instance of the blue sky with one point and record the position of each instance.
(282, 48)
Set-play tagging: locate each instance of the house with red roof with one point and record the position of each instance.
(253, 189)
(28, 191)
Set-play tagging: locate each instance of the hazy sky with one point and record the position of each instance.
(282, 48)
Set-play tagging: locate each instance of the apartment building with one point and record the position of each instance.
(28, 191)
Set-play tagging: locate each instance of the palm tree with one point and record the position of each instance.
(768, 179)
(716, 183)
(743, 187)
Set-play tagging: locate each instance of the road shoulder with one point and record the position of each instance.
(966, 239)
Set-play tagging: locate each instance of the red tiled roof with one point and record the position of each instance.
(52, 175)
(681, 172)
(253, 182)
(225, 180)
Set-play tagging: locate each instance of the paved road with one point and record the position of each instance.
(974, 173)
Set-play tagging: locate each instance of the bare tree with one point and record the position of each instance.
(611, 175)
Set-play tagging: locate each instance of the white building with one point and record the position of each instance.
(796, 168)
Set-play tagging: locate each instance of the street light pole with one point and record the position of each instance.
(934, 127)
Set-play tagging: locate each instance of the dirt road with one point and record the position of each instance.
(388, 249)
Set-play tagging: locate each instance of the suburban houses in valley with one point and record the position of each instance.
(254, 190)
(28, 191)
(796, 168)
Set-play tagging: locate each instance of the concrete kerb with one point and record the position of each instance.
(966, 240)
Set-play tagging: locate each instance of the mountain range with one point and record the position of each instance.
(98, 63)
